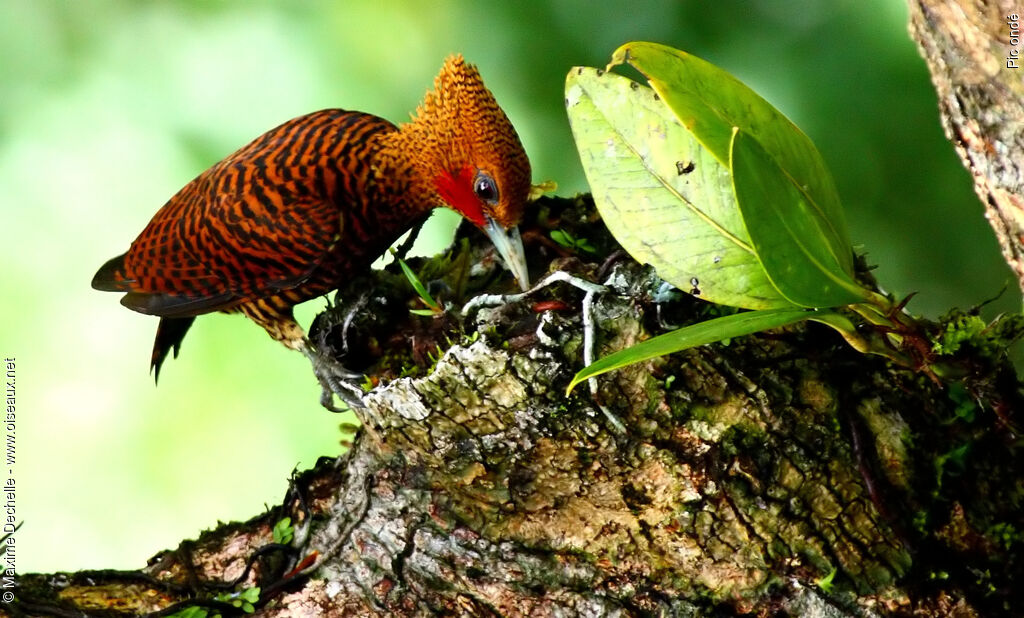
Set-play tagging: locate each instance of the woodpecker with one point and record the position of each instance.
(309, 205)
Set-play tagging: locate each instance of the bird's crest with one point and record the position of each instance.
(460, 135)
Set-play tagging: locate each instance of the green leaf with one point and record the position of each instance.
(191, 612)
(251, 595)
(701, 333)
(417, 285)
(710, 102)
(283, 531)
(788, 233)
(826, 582)
(563, 238)
(667, 200)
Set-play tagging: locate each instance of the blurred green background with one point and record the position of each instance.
(108, 107)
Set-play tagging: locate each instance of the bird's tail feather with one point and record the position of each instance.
(169, 334)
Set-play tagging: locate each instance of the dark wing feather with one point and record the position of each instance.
(110, 276)
(172, 306)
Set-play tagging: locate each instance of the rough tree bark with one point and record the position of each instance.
(777, 474)
(975, 54)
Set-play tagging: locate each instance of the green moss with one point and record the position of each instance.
(959, 329)
(1005, 534)
(964, 329)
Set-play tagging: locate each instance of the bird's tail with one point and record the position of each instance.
(169, 334)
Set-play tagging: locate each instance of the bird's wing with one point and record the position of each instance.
(259, 222)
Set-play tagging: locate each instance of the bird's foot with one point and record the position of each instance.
(591, 289)
(335, 379)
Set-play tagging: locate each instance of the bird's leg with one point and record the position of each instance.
(591, 289)
(333, 377)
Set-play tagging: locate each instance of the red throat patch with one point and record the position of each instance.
(457, 192)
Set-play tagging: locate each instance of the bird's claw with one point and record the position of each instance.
(335, 379)
(349, 393)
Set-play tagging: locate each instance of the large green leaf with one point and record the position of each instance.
(785, 231)
(710, 102)
(667, 200)
(701, 333)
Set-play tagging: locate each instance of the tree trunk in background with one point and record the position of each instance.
(776, 474)
(975, 54)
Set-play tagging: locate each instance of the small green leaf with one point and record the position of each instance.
(252, 595)
(244, 600)
(666, 199)
(788, 233)
(563, 238)
(417, 285)
(283, 531)
(567, 240)
(701, 333)
(825, 583)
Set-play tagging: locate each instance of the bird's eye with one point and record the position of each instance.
(485, 188)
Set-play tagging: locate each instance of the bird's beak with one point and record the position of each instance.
(510, 247)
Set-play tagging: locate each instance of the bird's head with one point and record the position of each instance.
(470, 156)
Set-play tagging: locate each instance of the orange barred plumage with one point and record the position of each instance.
(311, 203)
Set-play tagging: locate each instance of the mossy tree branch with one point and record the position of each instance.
(777, 474)
(782, 473)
